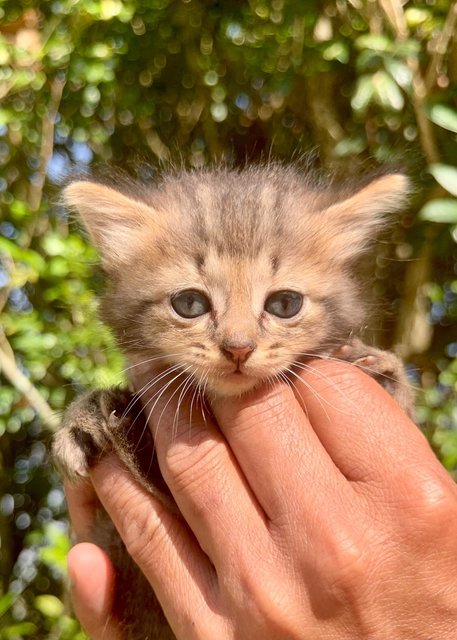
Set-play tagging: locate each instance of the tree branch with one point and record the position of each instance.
(47, 143)
(11, 371)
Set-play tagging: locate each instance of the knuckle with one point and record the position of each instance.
(143, 536)
(432, 504)
(344, 563)
(348, 562)
(140, 527)
(266, 603)
(187, 467)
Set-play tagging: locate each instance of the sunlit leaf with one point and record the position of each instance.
(400, 72)
(446, 176)
(349, 146)
(386, 91)
(57, 546)
(6, 601)
(337, 51)
(416, 16)
(446, 441)
(407, 48)
(18, 631)
(26, 256)
(375, 42)
(440, 210)
(444, 116)
(363, 93)
(49, 605)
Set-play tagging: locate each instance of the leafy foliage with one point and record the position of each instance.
(90, 81)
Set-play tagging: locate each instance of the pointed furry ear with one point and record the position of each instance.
(114, 221)
(357, 219)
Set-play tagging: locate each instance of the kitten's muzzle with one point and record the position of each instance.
(237, 349)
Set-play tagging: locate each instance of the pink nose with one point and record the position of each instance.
(237, 350)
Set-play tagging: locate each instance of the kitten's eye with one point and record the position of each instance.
(190, 304)
(284, 304)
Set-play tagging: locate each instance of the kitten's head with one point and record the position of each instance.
(233, 275)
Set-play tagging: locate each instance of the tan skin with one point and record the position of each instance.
(339, 524)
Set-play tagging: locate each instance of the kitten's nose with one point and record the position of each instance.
(237, 349)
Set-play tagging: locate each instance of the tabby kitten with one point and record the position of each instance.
(228, 279)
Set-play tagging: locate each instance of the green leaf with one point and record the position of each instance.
(49, 606)
(363, 93)
(19, 630)
(407, 48)
(349, 146)
(375, 42)
(26, 256)
(5, 602)
(386, 91)
(443, 116)
(54, 553)
(446, 441)
(337, 51)
(415, 16)
(440, 210)
(400, 72)
(446, 176)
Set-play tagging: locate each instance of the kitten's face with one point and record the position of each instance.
(232, 277)
(233, 321)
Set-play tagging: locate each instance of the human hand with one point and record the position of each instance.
(336, 524)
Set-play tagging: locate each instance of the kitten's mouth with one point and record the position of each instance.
(234, 382)
(238, 372)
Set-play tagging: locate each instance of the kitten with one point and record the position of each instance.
(235, 278)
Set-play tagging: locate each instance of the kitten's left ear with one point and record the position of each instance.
(115, 222)
(357, 219)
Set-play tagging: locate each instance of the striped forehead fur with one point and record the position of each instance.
(240, 212)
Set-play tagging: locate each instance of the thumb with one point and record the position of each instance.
(92, 589)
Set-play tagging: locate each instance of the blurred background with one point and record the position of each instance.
(86, 82)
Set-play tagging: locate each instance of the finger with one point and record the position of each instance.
(82, 503)
(278, 451)
(92, 589)
(205, 480)
(161, 544)
(361, 426)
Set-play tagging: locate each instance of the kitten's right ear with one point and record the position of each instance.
(114, 221)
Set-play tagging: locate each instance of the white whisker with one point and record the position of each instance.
(370, 370)
(318, 397)
(306, 367)
(148, 360)
(148, 385)
(187, 384)
(183, 382)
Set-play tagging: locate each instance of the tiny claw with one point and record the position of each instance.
(368, 361)
(113, 417)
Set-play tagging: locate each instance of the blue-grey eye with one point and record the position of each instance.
(284, 304)
(190, 303)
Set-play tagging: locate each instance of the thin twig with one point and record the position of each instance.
(393, 10)
(47, 143)
(11, 371)
(441, 47)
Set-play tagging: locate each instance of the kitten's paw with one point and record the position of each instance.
(384, 366)
(86, 428)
